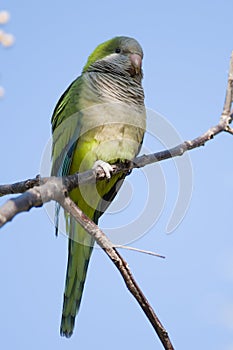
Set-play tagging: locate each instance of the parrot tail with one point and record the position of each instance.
(79, 256)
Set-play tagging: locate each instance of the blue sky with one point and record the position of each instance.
(187, 46)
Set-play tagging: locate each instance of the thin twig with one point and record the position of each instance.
(139, 250)
(229, 91)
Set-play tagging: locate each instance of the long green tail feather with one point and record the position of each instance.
(79, 256)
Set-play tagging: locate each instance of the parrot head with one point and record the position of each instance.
(120, 55)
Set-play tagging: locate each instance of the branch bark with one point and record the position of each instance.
(40, 190)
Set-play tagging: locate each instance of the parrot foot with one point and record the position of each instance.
(106, 167)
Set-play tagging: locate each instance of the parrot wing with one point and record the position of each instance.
(65, 134)
(66, 121)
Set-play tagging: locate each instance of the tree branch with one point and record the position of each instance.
(19, 187)
(91, 176)
(40, 190)
(121, 265)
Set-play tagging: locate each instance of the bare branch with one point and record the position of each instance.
(229, 91)
(34, 197)
(121, 265)
(19, 187)
(91, 176)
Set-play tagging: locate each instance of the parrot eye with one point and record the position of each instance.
(118, 50)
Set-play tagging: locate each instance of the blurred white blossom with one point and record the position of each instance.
(2, 92)
(6, 39)
(4, 17)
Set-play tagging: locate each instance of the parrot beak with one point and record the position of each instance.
(136, 61)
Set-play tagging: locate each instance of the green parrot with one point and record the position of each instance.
(98, 121)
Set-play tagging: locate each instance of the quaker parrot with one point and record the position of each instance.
(99, 120)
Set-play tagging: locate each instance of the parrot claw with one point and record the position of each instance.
(106, 167)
